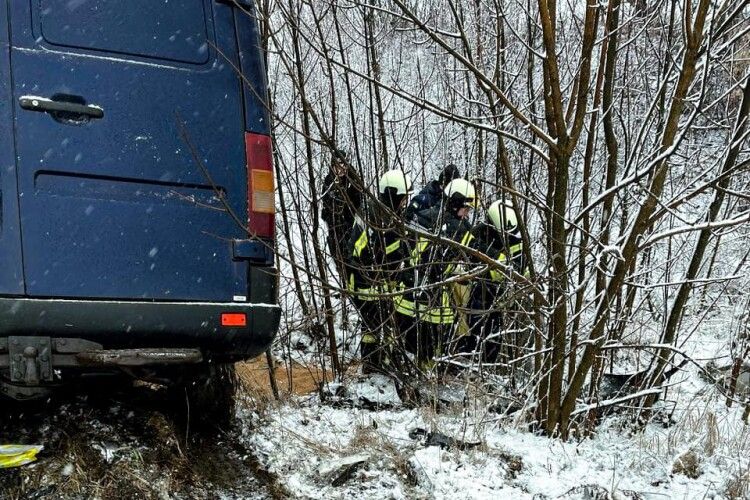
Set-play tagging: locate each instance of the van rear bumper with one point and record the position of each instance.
(137, 324)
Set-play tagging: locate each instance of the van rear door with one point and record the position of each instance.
(131, 158)
(11, 271)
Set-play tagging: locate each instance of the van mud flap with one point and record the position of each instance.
(28, 364)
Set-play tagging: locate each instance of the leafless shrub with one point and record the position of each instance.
(739, 486)
(618, 131)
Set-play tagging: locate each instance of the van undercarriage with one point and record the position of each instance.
(44, 342)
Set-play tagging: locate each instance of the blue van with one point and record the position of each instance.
(136, 190)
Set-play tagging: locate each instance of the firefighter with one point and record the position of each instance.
(432, 194)
(341, 199)
(498, 237)
(425, 309)
(377, 250)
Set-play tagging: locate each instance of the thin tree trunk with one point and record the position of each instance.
(676, 312)
(694, 38)
(375, 72)
(333, 347)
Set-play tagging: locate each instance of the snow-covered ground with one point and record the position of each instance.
(309, 443)
(300, 439)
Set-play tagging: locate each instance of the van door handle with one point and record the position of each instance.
(45, 105)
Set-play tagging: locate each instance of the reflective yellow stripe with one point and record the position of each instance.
(436, 315)
(363, 293)
(422, 245)
(392, 247)
(496, 275)
(404, 306)
(443, 314)
(460, 297)
(12, 455)
(367, 294)
(360, 244)
(464, 241)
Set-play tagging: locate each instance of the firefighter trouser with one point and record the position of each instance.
(485, 325)
(425, 328)
(336, 240)
(376, 316)
(423, 339)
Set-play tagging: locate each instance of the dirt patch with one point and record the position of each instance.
(126, 445)
(291, 379)
(129, 441)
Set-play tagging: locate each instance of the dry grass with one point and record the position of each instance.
(688, 464)
(706, 437)
(739, 486)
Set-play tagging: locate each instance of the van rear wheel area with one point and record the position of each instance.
(204, 395)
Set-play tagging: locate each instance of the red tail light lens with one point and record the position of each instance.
(233, 319)
(261, 189)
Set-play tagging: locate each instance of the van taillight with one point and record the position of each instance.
(261, 199)
(233, 319)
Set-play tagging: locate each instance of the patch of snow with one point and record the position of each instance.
(300, 436)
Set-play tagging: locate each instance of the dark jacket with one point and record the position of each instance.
(376, 251)
(341, 198)
(428, 197)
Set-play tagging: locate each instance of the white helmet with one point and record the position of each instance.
(460, 192)
(396, 180)
(503, 216)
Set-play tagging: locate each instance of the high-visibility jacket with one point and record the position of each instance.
(424, 295)
(506, 249)
(376, 252)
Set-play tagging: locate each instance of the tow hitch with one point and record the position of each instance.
(28, 364)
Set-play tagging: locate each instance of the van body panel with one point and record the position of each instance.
(252, 65)
(124, 185)
(144, 202)
(11, 266)
(110, 27)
